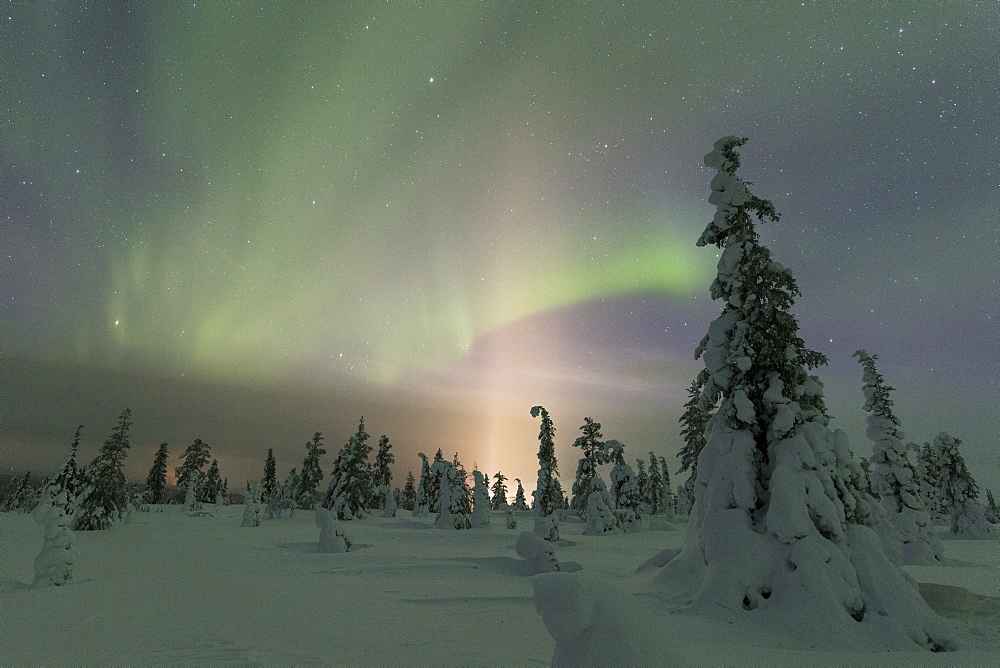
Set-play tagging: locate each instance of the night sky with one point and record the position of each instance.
(254, 221)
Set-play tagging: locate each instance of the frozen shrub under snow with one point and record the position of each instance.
(54, 564)
(331, 536)
(601, 516)
(538, 552)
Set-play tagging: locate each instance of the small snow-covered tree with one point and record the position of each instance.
(422, 499)
(961, 493)
(669, 498)
(269, 483)
(67, 484)
(480, 501)
(453, 513)
(54, 564)
(251, 505)
(624, 489)
(289, 492)
(210, 487)
(409, 497)
(435, 482)
(932, 483)
(391, 504)
(381, 473)
(104, 499)
(349, 478)
(520, 502)
(466, 497)
(693, 421)
(499, 500)
(992, 508)
(645, 490)
(192, 496)
(893, 475)
(657, 491)
(312, 474)
(592, 451)
(780, 522)
(194, 459)
(601, 516)
(156, 480)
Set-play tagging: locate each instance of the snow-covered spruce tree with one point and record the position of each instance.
(657, 493)
(624, 489)
(929, 467)
(251, 505)
(466, 497)
(289, 492)
(422, 499)
(499, 500)
(992, 508)
(601, 516)
(693, 422)
(454, 513)
(409, 497)
(960, 491)
(548, 497)
(480, 501)
(312, 474)
(156, 480)
(381, 473)
(54, 564)
(645, 490)
(195, 458)
(780, 524)
(520, 502)
(104, 499)
(435, 482)
(269, 483)
(211, 485)
(67, 484)
(893, 476)
(669, 498)
(592, 451)
(349, 483)
(192, 492)
(391, 503)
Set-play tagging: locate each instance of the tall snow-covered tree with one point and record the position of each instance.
(592, 451)
(54, 564)
(105, 497)
(780, 522)
(520, 502)
(960, 491)
(381, 473)
(408, 499)
(499, 500)
(269, 483)
(156, 480)
(466, 497)
(931, 475)
(424, 495)
(349, 482)
(194, 459)
(548, 497)
(312, 474)
(893, 475)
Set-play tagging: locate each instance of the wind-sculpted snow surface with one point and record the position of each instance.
(438, 598)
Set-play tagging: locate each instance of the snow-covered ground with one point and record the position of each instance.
(174, 589)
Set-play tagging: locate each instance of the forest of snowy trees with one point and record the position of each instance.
(781, 514)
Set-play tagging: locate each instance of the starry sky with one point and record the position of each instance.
(254, 221)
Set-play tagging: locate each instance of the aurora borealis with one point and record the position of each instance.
(253, 221)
